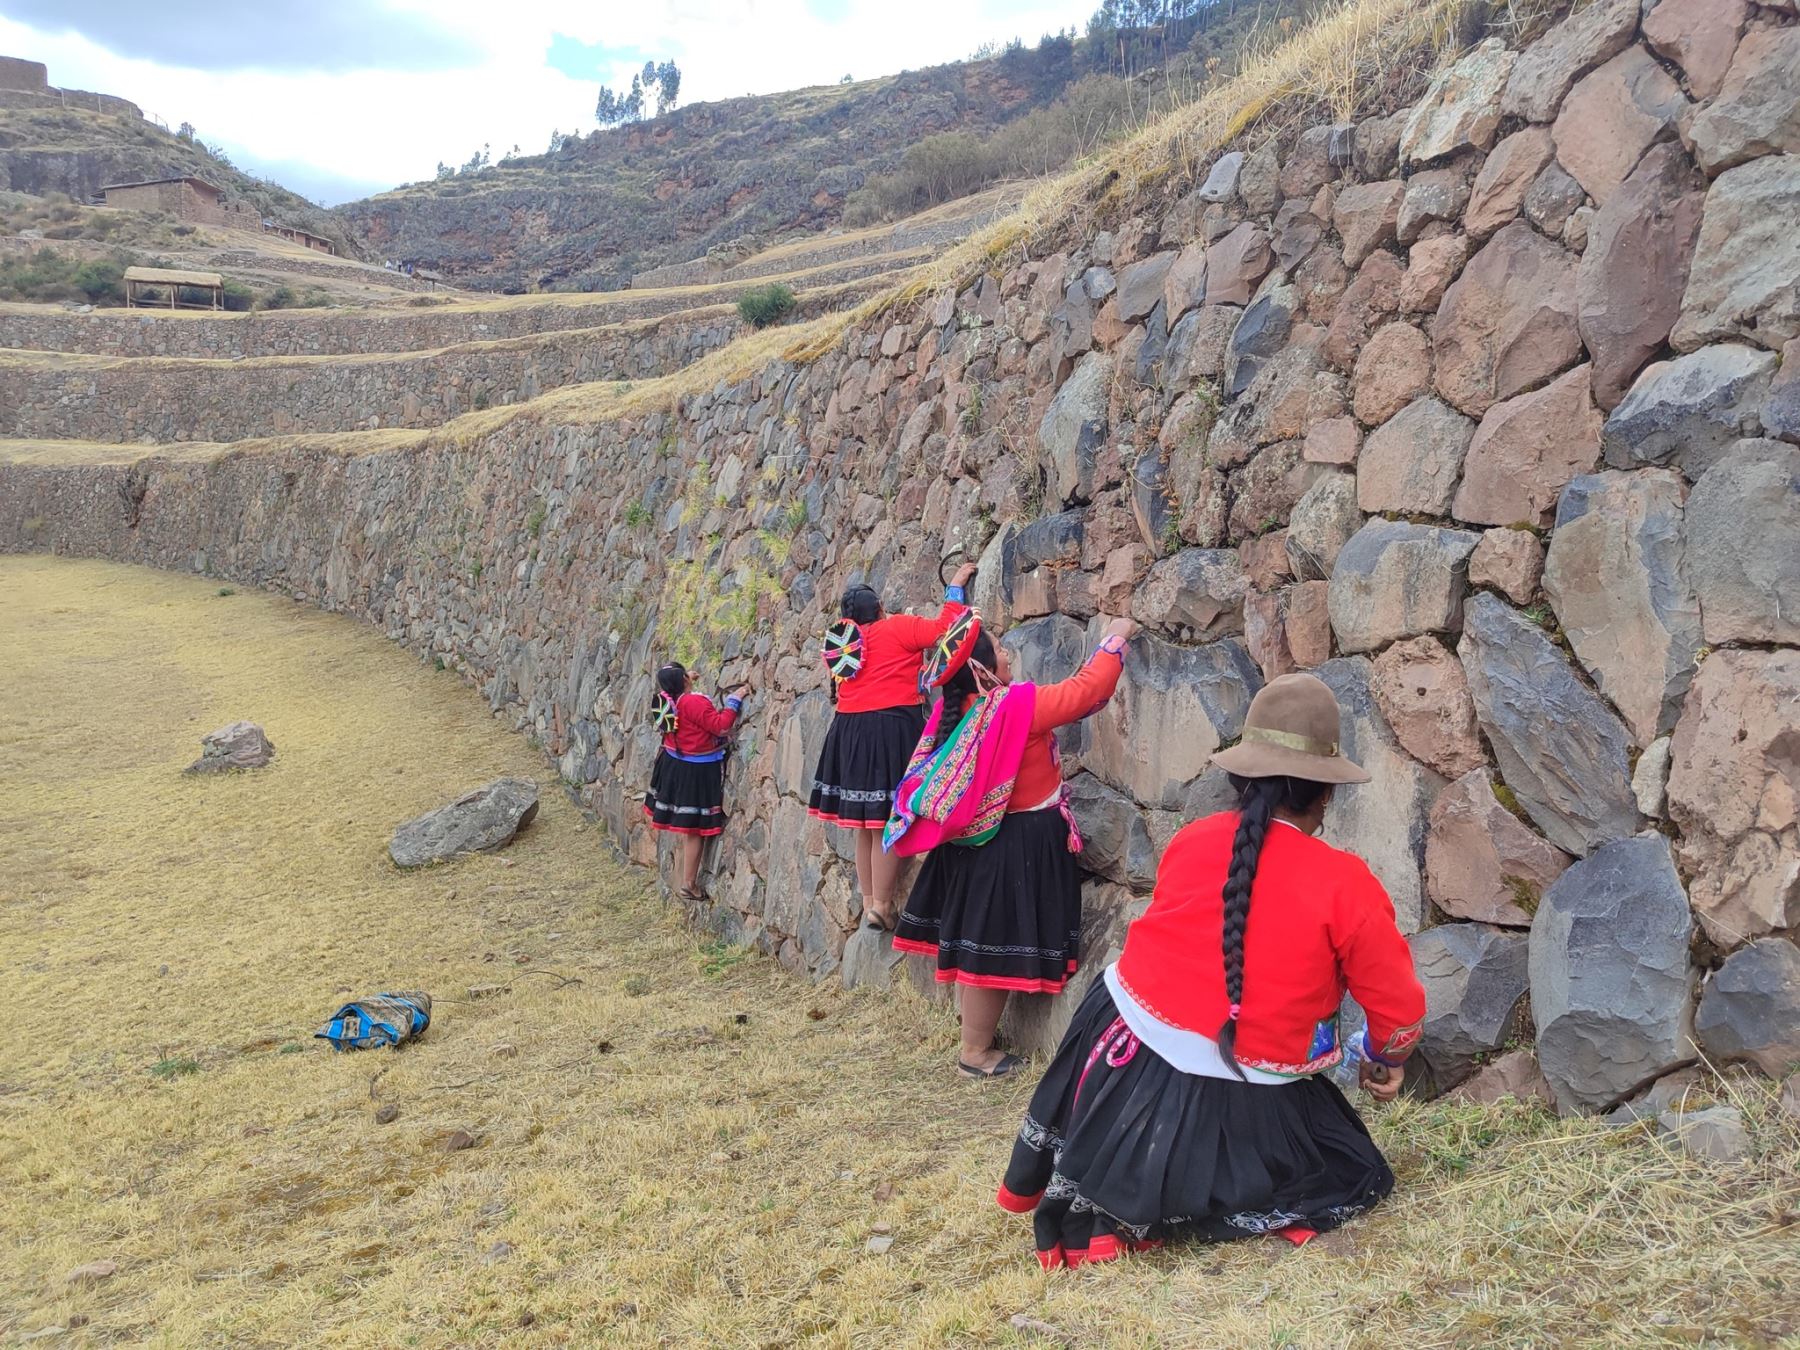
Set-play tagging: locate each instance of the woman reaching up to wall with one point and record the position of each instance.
(687, 786)
(874, 659)
(1188, 1097)
(998, 901)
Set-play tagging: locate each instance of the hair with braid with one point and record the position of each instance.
(960, 687)
(860, 604)
(1258, 799)
(671, 683)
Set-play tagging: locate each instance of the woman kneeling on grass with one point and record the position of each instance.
(687, 786)
(998, 901)
(1187, 1097)
(874, 661)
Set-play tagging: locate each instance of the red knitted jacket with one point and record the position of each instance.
(889, 677)
(700, 726)
(1320, 923)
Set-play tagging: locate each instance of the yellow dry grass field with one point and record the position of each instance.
(674, 1143)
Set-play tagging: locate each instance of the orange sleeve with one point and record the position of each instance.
(1083, 693)
(914, 634)
(698, 710)
(1378, 967)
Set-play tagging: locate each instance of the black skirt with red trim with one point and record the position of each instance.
(863, 760)
(1121, 1151)
(1004, 915)
(685, 797)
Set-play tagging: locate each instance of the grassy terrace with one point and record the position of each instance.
(674, 1142)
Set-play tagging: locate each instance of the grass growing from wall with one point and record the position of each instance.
(673, 1142)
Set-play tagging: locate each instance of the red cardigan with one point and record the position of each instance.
(889, 677)
(1320, 923)
(700, 726)
(1066, 701)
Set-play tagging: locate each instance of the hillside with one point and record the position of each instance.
(76, 152)
(622, 201)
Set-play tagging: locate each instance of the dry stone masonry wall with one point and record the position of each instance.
(1488, 411)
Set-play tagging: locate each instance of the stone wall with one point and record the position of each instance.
(1488, 411)
(26, 77)
(161, 400)
(340, 332)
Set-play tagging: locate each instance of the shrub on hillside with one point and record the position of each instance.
(48, 276)
(239, 296)
(766, 304)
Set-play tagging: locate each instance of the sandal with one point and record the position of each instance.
(878, 923)
(1007, 1064)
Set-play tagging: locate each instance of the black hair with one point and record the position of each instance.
(671, 680)
(1257, 800)
(960, 687)
(860, 604)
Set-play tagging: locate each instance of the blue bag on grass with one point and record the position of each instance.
(385, 1019)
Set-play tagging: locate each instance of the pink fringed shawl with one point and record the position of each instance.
(959, 792)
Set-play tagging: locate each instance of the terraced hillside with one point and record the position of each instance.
(109, 376)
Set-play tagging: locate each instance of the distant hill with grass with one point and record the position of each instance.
(73, 152)
(718, 177)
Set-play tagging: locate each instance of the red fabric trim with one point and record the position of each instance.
(682, 829)
(843, 824)
(1015, 984)
(1017, 1204)
(1051, 1259)
(1297, 1235)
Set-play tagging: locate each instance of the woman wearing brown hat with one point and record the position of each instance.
(1188, 1097)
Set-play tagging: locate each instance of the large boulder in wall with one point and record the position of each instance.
(1474, 978)
(1750, 1008)
(1743, 544)
(1384, 821)
(1174, 707)
(1560, 749)
(1047, 650)
(1508, 323)
(1732, 791)
(1074, 428)
(1685, 412)
(1635, 267)
(1616, 574)
(1611, 989)
(1744, 281)
(1394, 579)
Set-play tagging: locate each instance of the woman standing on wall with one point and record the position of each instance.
(874, 661)
(998, 901)
(1188, 1096)
(687, 786)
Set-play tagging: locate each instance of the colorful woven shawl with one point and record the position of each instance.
(959, 792)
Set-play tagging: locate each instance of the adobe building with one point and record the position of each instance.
(299, 236)
(186, 198)
(23, 77)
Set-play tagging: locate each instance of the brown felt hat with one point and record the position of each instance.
(1292, 730)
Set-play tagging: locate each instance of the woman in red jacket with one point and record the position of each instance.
(687, 786)
(1188, 1096)
(877, 725)
(1005, 917)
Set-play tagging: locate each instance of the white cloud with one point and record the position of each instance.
(356, 132)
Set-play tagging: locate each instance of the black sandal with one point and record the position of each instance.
(1007, 1064)
(873, 921)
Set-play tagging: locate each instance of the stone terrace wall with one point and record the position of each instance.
(1488, 412)
(159, 400)
(343, 332)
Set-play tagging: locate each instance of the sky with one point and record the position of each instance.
(338, 99)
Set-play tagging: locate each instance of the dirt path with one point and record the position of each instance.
(674, 1142)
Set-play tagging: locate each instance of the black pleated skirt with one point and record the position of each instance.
(863, 760)
(1119, 1151)
(686, 798)
(1005, 915)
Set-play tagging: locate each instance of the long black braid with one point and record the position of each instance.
(961, 687)
(1257, 800)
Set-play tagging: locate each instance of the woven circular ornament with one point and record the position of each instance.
(951, 651)
(843, 650)
(667, 719)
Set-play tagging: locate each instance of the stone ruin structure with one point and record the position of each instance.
(1486, 410)
(26, 84)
